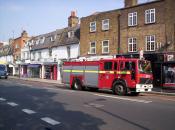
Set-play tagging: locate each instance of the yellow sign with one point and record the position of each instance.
(3, 62)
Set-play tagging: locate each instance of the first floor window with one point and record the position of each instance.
(132, 45)
(39, 55)
(92, 47)
(150, 43)
(33, 54)
(105, 46)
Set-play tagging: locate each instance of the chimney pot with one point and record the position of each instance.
(73, 13)
(129, 3)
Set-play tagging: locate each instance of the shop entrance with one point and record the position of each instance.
(50, 72)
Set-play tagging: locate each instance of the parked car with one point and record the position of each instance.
(3, 71)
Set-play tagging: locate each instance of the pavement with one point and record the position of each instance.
(156, 90)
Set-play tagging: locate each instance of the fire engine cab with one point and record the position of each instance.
(121, 75)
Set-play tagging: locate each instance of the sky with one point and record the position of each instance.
(43, 16)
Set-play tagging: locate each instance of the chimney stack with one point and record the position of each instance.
(129, 3)
(24, 33)
(73, 20)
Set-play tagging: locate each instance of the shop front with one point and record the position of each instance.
(50, 71)
(34, 70)
(163, 67)
(23, 71)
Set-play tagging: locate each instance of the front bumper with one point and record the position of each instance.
(144, 87)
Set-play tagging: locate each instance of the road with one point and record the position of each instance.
(30, 105)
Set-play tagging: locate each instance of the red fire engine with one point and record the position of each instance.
(121, 75)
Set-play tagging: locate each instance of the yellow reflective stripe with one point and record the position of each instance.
(101, 72)
(111, 72)
(91, 71)
(123, 72)
(77, 71)
(128, 72)
(66, 70)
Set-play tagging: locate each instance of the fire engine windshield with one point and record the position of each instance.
(144, 66)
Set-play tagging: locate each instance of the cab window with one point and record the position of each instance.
(115, 66)
(108, 66)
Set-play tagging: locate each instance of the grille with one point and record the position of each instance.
(145, 81)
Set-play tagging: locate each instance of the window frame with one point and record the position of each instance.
(105, 47)
(148, 16)
(150, 42)
(104, 28)
(71, 34)
(132, 44)
(131, 17)
(90, 48)
(90, 26)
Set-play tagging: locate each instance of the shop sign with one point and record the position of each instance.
(170, 58)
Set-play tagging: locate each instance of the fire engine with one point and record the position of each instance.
(121, 75)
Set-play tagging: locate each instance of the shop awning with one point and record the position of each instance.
(33, 66)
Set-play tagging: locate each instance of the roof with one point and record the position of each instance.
(139, 4)
(59, 38)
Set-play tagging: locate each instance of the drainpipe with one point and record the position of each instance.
(119, 49)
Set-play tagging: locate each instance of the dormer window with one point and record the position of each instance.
(55, 37)
(42, 40)
(52, 39)
(37, 42)
(32, 42)
(70, 34)
(26, 44)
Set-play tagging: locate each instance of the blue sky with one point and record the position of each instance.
(42, 16)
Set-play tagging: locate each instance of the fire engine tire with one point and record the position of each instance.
(77, 85)
(119, 89)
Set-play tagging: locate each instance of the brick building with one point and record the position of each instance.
(99, 34)
(148, 26)
(17, 45)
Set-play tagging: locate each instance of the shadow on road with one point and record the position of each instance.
(41, 101)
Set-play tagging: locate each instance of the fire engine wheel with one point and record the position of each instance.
(77, 85)
(119, 89)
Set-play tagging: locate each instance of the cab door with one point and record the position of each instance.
(107, 74)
